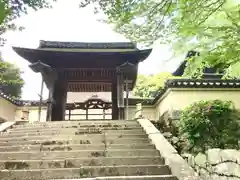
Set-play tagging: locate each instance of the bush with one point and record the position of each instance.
(210, 124)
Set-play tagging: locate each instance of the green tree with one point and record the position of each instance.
(11, 82)
(10, 76)
(12, 9)
(209, 26)
(148, 85)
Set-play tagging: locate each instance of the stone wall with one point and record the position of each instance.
(216, 164)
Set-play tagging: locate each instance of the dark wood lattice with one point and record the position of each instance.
(92, 103)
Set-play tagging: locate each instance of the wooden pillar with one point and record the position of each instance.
(49, 105)
(69, 114)
(114, 100)
(60, 97)
(120, 87)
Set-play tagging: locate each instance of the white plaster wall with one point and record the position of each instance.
(178, 99)
(7, 110)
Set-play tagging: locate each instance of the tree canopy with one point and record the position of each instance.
(209, 26)
(148, 85)
(12, 9)
(11, 82)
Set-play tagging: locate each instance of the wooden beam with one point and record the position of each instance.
(87, 74)
(89, 87)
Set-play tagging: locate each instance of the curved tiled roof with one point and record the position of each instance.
(9, 98)
(201, 83)
(84, 45)
(180, 69)
(196, 83)
(19, 102)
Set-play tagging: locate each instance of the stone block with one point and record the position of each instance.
(228, 169)
(214, 156)
(201, 160)
(230, 155)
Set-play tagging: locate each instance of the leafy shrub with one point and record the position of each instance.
(210, 124)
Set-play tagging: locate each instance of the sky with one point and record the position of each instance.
(67, 22)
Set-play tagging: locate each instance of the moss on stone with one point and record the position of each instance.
(97, 154)
(57, 149)
(54, 165)
(61, 143)
(89, 131)
(139, 173)
(127, 128)
(16, 165)
(84, 142)
(85, 172)
(109, 171)
(68, 164)
(61, 148)
(113, 171)
(106, 125)
(92, 163)
(48, 142)
(69, 148)
(120, 136)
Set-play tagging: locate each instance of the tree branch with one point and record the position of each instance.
(211, 13)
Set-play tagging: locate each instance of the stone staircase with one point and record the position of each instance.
(80, 149)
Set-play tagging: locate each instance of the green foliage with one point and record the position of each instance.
(148, 85)
(12, 9)
(10, 79)
(209, 26)
(210, 124)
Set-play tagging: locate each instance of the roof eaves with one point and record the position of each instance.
(196, 83)
(84, 45)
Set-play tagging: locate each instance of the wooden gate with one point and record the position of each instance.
(93, 108)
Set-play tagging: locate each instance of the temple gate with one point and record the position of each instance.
(85, 67)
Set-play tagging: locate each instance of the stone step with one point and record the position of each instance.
(48, 125)
(74, 136)
(74, 147)
(75, 125)
(84, 172)
(76, 140)
(68, 132)
(82, 122)
(33, 129)
(76, 154)
(78, 162)
(146, 177)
